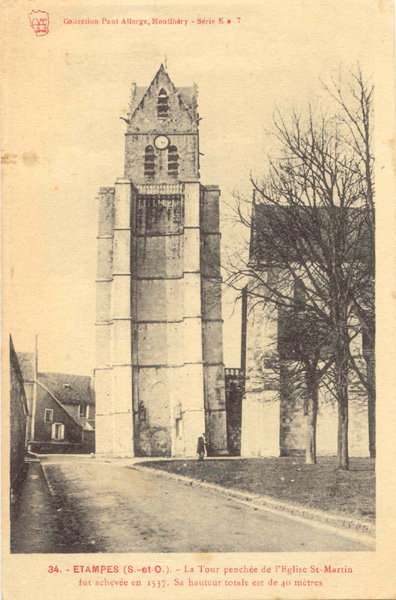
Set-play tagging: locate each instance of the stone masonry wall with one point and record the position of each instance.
(18, 419)
(212, 323)
(104, 322)
(180, 126)
(157, 314)
(267, 415)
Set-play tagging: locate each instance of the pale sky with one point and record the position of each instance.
(63, 96)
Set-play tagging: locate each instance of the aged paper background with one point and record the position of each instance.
(62, 95)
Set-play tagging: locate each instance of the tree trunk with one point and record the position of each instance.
(370, 366)
(343, 455)
(311, 420)
(342, 369)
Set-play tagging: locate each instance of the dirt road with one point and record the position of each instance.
(103, 507)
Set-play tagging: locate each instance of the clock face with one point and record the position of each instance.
(161, 142)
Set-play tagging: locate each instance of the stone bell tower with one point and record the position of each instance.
(159, 377)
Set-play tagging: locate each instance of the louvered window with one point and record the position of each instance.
(173, 162)
(149, 162)
(162, 105)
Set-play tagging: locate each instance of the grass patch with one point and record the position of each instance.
(322, 486)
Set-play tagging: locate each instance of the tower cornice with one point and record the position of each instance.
(162, 131)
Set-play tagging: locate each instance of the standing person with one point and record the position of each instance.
(201, 447)
(206, 444)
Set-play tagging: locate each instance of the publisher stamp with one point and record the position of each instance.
(39, 21)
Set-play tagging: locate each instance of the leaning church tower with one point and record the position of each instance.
(159, 376)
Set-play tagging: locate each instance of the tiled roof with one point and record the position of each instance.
(15, 366)
(139, 93)
(271, 222)
(69, 389)
(26, 364)
(187, 94)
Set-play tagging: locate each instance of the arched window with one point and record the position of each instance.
(173, 162)
(162, 104)
(149, 161)
(299, 294)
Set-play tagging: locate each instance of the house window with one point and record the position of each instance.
(149, 161)
(58, 432)
(48, 415)
(83, 411)
(162, 105)
(173, 162)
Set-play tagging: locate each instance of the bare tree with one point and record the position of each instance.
(302, 344)
(310, 224)
(355, 102)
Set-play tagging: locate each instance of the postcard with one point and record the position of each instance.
(198, 294)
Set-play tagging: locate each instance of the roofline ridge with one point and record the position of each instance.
(60, 373)
(59, 403)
